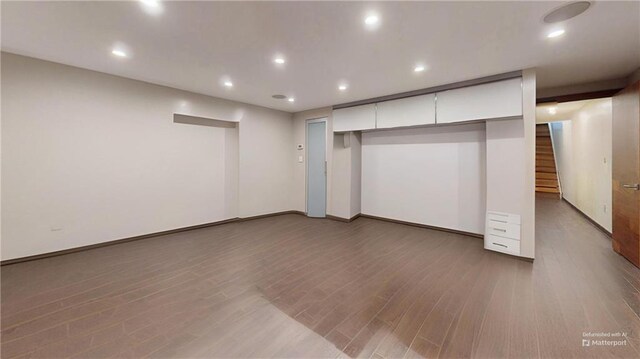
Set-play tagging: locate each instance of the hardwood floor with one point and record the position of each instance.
(290, 286)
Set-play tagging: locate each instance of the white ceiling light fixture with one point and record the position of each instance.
(152, 7)
(555, 33)
(150, 3)
(291, 99)
(372, 21)
(342, 87)
(228, 83)
(419, 68)
(119, 53)
(279, 60)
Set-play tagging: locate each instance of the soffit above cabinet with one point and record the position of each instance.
(411, 111)
(356, 118)
(501, 99)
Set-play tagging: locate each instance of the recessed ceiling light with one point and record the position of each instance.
(228, 83)
(371, 20)
(555, 33)
(342, 87)
(150, 3)
(152, 7)
(291, 99)
(119, 53)
(279, 60)
(552, 110)
(419, 68)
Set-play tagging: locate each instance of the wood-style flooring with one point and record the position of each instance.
(290, 286)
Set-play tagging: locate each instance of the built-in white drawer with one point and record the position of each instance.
(503, 217)
(503, 229)
(502, 244)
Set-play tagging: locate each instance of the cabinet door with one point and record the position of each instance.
(356, 118)
(411, 111)
(501, 99)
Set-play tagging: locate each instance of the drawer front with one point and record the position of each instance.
(503, 229)
(503, 217)
(502, 244)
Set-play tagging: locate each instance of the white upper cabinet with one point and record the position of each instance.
(481, 102)
(410, 111)
(356, 118)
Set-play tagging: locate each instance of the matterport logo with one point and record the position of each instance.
(604, 339)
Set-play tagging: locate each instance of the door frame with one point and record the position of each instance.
(306, 162)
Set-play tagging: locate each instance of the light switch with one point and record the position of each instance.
(300, 160)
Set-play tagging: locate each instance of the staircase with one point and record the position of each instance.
(546, 174)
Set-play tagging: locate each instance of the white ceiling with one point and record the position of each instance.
(193, 45)
(563, 111)
(566, 111)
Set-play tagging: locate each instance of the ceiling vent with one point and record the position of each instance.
(567, 12)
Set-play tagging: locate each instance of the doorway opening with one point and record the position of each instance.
(573, 156)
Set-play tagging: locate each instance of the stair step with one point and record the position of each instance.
(547, 190)
(546, 175)
(546, 169)
(545, 163)
(548, 195)
(546, 183)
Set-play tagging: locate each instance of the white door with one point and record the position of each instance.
(316, 168)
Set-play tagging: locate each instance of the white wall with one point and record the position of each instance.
(511, 155)
(356, 173)
(265, 167)
(340, 178)
(89, 157)
(433, 176)
(506, 166)
(346, 175)
(583, 153)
